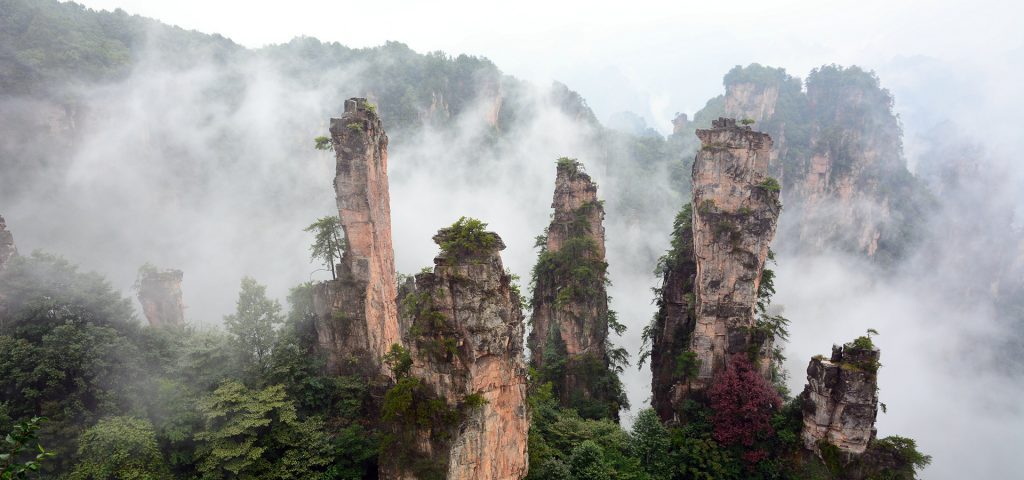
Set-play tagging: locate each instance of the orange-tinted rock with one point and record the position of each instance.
(160, 296)
(465, 331)
(358, 316)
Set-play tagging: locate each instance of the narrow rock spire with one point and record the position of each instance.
(159, 293)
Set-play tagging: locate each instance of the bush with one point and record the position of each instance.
(467, 236)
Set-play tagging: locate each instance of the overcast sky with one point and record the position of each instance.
(651, 57)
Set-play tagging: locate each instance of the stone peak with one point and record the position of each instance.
(724, 132)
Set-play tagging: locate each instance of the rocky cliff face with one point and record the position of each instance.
(7, 248)
(736, 208)
(357, 312)
(464, 332)
(671, 331)
(840, 401)
(160, 296)
(838, 153)
(569, 340)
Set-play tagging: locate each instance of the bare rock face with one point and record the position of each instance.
(735, 212)
(159, 292)
(569, 339)
(464, 332)
(840, 401)
(748, 100)
(7, 248)
(358, 315)
(673, 326)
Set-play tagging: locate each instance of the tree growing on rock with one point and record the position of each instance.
(328, 241)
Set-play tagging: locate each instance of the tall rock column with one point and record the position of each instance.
(840, 401)
(736, 209)
(569, 340)
(460, 409)
(358, 315)
(159, 293)
(7, 249)
(670, 333)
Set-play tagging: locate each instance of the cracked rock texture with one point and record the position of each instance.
(840, 401)
(357, 313)
(735, 211)
(465, 330)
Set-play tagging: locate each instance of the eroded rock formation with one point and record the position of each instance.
(736, 207)
(569, 340)
(159, 293)
(357, 313)
(7, 248)
(673, 325)
(840, 401)
(838, 154)
(464, 328)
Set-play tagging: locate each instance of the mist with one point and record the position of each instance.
(210, 169)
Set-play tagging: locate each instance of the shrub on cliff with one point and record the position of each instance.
(467, 236)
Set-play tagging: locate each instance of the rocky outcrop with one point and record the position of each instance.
(7, 248)
(569, 340)
(840, 401)
(736, 208)
(159, 293)
(838, 153)
(671, 331)
(464, 329)
(357, 313)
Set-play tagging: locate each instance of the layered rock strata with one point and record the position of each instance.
(569, 340)
(464, 333)
(736, 208)
(159, 293)
(840, 401)
(357, 312)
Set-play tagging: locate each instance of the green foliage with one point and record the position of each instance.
(120, 448)
(399, 361)
(902, 450)
(747, 121)
(651, 445)
(770, 184)
(466, 237)
(258, 434)
(253, 326)
(687, 365)
(329, 243)
(323, 143)
(19, 458)
(570, 166)
(355, 127)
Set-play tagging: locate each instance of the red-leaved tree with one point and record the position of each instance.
(743, 403)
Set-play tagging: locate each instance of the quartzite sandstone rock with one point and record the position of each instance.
(357, 313)
(465, 331)
(570, 311)
(160, 296)
(735, 211)
(674, 323)
(840, 401)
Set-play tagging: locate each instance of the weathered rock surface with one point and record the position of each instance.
(838, 153)
(735, 212)
(357, 312)
(673, 326)
(840, 401)
(570, 317)
(464, 331)
(160, 296)
(7, 248)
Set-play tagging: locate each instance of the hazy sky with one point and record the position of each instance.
(652, 57)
